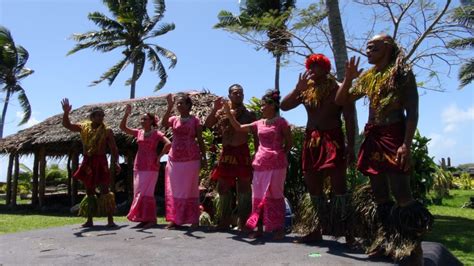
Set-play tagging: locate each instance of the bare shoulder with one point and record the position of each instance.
(247, 116)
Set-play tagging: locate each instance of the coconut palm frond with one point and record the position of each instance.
(163, 29)
(158, 66)
(138, 60)
(168, 54)
(22, 58)
(105, 22)
(461, 43)
(159, 8)
(24, 72)
(24, 103)
(466, 73)
(112, 73)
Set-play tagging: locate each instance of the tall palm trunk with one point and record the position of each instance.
(133, 81)
(337, 37)
(4, 112)
(277, 72)
(339, 44)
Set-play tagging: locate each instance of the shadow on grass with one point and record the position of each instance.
(456, 233)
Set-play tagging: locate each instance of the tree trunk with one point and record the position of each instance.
(134, 81)
(4, 112)
(339, 44)
(34, 190)
(16, 173)
(277, 73)
(337, 37)
(9, 179)
(42, 176)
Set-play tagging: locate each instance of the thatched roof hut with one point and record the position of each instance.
(50, 138)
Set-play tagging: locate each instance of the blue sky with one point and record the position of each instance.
(207, 59)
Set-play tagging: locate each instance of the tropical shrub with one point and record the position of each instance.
(55, 175)
(423, 168)
(441, 184)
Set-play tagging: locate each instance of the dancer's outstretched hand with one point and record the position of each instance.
(352, 68)
(170, 100)
(66, 106)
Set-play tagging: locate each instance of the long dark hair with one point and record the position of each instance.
(272, 97)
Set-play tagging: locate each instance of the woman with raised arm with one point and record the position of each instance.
(185, 159)
(145, 167)
(269, 164)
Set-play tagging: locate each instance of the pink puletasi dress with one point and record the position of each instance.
(145, 175)
(182, 173)
(269, 175)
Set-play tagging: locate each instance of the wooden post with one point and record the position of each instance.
(112, 175)
(74, 184)
(9, 179)
(69, 177)
(34, 190)
(130, 159)
(16, 173)
(42, 175)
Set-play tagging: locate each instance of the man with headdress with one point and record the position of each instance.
(326, 150)
(234, 168)
(385, 153)
(94, 171)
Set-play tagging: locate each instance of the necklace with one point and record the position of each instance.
(272, 120)
(147, 133)
(184, 119)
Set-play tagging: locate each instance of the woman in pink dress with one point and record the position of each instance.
(145, 168)
(185, 159)
(269, 164)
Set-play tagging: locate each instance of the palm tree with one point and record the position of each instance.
(262, 16)
(131, 28)
(464, 15)
(12, 70)
(337, 37)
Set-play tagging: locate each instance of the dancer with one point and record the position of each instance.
(186, 157)
(325, 151)
(234, 169)
(145, 167)
(385, 153)
(269, 164)
(94, 171)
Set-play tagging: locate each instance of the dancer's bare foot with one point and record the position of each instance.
(219, 228)
(312, 237)
(170, 226)
(111, 225)
(279, 234)
(255, 234)
(377, 253)
(148, 225)
(87, 224)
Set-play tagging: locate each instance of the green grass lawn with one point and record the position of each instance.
(454, 226)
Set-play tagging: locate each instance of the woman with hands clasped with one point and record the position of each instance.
(145, 167)
(269, 164)
(186, 157)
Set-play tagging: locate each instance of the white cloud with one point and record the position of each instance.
(453, 117)
(33, 121)
(440, 146)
